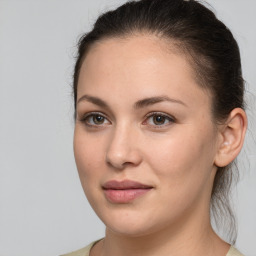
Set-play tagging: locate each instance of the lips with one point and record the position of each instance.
(124, 191)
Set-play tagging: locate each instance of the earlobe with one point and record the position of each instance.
(232, 137)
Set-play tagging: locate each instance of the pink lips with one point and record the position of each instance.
(124, 191)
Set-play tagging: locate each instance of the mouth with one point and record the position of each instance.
(124, 191)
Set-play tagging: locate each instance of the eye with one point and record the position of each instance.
(158, 119)
(95, 119)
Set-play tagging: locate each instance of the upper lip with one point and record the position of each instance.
(125, 184)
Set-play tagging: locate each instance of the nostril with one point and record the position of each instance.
(116, 161)
(120, 161)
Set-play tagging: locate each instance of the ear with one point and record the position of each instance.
(232, 135)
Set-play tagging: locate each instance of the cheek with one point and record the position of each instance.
(183, 171)
(184, 157)
(88, 156)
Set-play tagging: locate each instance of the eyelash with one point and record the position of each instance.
(169, 118)
(90, 115)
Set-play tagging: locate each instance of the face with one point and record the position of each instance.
(144, 138)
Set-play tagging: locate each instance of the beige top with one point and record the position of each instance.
(86, 251)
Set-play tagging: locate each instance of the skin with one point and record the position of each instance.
(177, 158)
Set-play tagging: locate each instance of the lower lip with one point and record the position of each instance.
(124, 196)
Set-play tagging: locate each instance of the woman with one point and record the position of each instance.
(159, 112)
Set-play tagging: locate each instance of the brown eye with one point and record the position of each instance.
(95, 119)
(159, 120)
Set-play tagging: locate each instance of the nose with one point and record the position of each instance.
(122, 149)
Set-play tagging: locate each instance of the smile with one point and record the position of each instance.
(124, 191)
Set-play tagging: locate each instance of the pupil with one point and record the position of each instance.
(159, 119)
(98, 119)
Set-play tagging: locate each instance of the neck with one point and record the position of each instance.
(181, 239)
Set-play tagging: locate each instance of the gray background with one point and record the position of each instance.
(43, 210)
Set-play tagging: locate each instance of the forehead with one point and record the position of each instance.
(143, 47)
(137, 67)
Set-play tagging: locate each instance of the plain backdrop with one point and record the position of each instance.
(43, 210)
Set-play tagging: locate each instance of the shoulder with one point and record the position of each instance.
(234, 252)
(82, 252)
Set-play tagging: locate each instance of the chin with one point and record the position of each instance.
(135, 230)
(131, 223)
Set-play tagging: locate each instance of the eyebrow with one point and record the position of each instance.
(153, 100)
(94, 100)
(139, 104)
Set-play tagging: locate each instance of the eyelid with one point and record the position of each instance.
(85, 116)
(169, 117)
(160, 114)
(147, 116)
